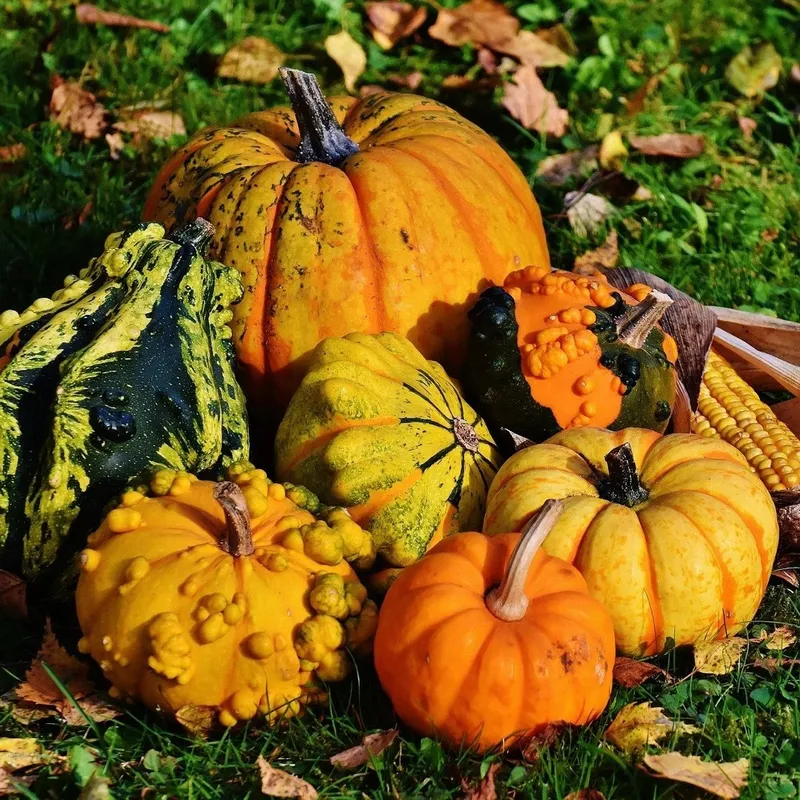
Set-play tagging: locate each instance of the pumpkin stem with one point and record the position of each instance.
(623, 485)
(635, 324)
(240, 534)
(508, 601)
(321, 136)
(199, 233)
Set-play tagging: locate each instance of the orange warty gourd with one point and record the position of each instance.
(675, 535)
(486, 640)
(224, 595)
(388, 213)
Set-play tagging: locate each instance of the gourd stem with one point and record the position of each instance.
(636, 323)
(321, 136)
(622, 485)
(240, 534)
(508, 601)
(199, 233)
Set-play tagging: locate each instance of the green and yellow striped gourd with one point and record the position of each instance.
(129, 367)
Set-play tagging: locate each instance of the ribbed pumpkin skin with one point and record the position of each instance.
(174, 620)
(690, 563)
(454, 671)
(400, 237)
(378, 429)
(128, 367)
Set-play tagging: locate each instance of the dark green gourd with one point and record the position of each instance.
(129, 367)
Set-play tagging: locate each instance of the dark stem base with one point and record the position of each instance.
(622, 486)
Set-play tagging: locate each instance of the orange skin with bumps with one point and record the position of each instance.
(455, 671)
(401, 236)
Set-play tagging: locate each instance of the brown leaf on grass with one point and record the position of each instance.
(462, 83)
(720, 779)
(747, 126)
(16, 754)
(88, 14)
(635, 103)
(488, 60)
(372, 745)
(557, 170)
(76, 110)
(76, 220)
(477, 22)
(197, 720)
(370, 88)
(533, 51)
(673, 145)
(787, 565)
(773, 665)
(11, 153)
(253, 60)
(754, 70)
(545, 738)
(277, 783)
(720, 657)
(794, 73)
(150, 123)
(13, 592)
(411, 81)
(630, 673)
(390, 21)
(39, 692)
(781, 638)
(559, 37)
(9, 784)
(590, 263)
(529, 102)
(588, 212)
(349, 55)
(115, 145)
(586, 794)
(485, 788)
(640, 724)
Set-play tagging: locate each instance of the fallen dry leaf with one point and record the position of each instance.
(477, 22)
(485, 788)
(781, 638)
(370, 88)
(529, 102)
(76, 110)
(411, 81)
(13, 591)
(9, 784)
(590, 263)
(773, 665)
(640, 724)
(17, 754)
(787, 570)
(718, 658)
(8, 154)
(197, 720)
(488, 61)
(720, 779)
(151, 123)
(533, 51)
(587, 213)
(349, 55)
(115, 145)
(747, 125)
(586, 794)
(635, 103)
(612, 151)
(559, 37)
(545, 738)
(754, 70)
(73, 220)
(390, 21)
(88, 14)
(253, 60)
(630, 673)
(277, 783)
(372, 745)
(674, 145)
(39, 693)
(794, 73)
(557, 170)
(463, 83)
(98, 787)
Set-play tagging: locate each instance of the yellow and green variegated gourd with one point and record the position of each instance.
(128, 367)
(378, 429)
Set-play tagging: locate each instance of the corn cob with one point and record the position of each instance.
(729, 409)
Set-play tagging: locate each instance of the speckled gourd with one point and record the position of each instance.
(237, 595)
(129, 366)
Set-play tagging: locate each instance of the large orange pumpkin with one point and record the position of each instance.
(386, 213)
(675, 535)
(487, 640)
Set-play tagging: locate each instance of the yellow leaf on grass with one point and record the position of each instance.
(253, 60)
(780, 638)
(198, 720)
(755, 70)
(720, 779)
(590, 263)
(718, 658)
(349, 55)
(640, 724)
(612, 150)
(20, 753)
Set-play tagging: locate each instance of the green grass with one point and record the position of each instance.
(710, 229)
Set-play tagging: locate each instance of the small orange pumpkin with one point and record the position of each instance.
(481, 664)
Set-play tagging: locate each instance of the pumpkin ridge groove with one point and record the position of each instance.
(425, 397)
(653, 598)
(436, 457)
(455, 496)
(574, 554)
(439, 389)
(422, 421)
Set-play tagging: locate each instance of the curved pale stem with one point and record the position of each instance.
(509, 601)
(237, 516)
(637, 322)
